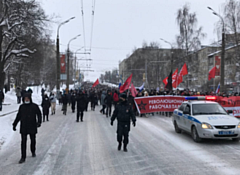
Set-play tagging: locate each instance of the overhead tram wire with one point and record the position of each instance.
(83, 24)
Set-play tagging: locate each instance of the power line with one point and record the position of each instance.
(84, 38)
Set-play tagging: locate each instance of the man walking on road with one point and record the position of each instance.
(1, 99)
(124, 114)
(81, 104)
(108, 101)
(30, 118)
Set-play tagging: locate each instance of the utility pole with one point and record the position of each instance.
(58, 55)
(68, 59)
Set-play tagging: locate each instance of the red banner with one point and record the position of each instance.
(158, 103)
(169, 103)
(63, 64)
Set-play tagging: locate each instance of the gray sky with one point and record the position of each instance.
(119, 26)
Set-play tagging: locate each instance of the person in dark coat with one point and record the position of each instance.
(81, 104)
(73, 101)
(30, 91)
(19, 95)
(30, 118)
(108, 101)
(93, 98)
(1, 99)
(43, 92)
(45, 106)
(124, 114)
(64, 102)
(87, 100)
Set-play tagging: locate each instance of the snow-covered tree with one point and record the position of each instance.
(21, 22)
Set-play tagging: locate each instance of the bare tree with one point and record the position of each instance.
(190, 36)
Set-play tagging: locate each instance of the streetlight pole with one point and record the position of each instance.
(171, 52)
(68, 55)
(75, 71)
(58, 54)
(222, 85)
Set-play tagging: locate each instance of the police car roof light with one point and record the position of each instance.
(201, 98)
(191, 98)
(211, 98)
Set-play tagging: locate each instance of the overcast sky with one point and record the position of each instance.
(121, 25)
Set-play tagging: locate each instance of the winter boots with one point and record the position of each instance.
(22, 160)
(125, 148)
(119, 146)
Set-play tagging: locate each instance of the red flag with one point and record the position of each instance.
(174, 78)
(126, 85)
(212, 73)
(133, 91)
(182, 72)
(95, 84)
(165, 81)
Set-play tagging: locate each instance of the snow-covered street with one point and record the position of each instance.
(90, 147)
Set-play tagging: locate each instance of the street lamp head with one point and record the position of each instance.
(209, 8)
(215, 13)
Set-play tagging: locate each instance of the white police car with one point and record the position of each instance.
(205, 119)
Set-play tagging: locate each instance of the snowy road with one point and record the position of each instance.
(65, 147)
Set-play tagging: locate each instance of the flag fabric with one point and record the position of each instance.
(126, 85)
(174, 78)
(141, 88)
(133, 91)
(96, 83)
(212, 73)
(169, 84)
(218, 88)
(120, 84)
(165, 81)
(182, 72)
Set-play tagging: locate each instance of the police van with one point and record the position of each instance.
(205, 119)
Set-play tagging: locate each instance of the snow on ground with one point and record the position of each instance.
(9, 111)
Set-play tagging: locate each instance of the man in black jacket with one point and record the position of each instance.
(30, 118)
(1, 99)
(124, 114)
(81, 104)
(108, 102)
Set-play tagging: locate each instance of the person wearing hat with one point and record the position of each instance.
(30, 118)
(124, 114)
(81, 104)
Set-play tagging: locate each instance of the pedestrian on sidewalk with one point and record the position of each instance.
(45, 106)
(64, 102)
(81, 104)
(19, 95)
(124, 114)
(30, 118)
(1, 99)
(53, 100)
